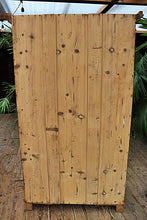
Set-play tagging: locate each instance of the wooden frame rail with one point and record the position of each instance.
(139, 15)
(7, 17)
(130, 2)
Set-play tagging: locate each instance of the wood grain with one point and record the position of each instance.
(28, 64)
(115, 106)
(12, 204)
(94, 105)
(74, 84)
(72, 105)
(51, 105)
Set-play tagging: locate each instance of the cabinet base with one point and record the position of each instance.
(119, 208)
(29, 206)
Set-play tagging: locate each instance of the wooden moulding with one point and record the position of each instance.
(6, 17)
(141, 32)
(137, 2)
(29, 207)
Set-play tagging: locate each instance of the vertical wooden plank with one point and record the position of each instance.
(50, 88)
(18, 44)
(117, 86)
(126, 69)
(72, 105)
(94, 104)
(28, 61)
(64, 100)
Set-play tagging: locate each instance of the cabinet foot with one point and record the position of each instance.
(119, 208)
(29, 206)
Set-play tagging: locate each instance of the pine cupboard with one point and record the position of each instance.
(74, 85)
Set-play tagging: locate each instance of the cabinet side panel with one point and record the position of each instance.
(117, 89)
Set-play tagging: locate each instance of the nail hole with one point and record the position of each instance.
(31, 36)
(76, 51)
(105, 171)
(111, 49)
(103, 193)
(58, 51)
(81, 116)
(60, 113)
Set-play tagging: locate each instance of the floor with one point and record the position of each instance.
(12, 187)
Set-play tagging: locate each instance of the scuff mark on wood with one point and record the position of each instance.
(35, 156)
(60, 113)
(80, 172)
(52, 129)
(62, 171)
(23, 159)
(16, 66)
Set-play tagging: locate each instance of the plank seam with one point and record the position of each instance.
(45, 118)
(87, 104)
(57, 110)
(101, 17)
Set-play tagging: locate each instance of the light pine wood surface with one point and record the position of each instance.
(12, 205)
(74, 79)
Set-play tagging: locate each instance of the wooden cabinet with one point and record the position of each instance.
(74, 85)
